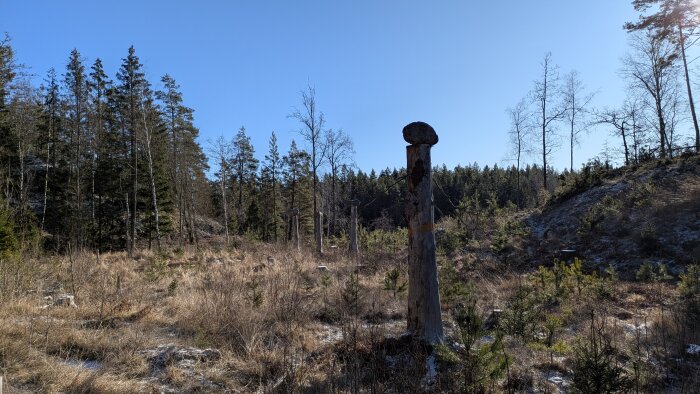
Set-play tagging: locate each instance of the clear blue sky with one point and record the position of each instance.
(376, 65)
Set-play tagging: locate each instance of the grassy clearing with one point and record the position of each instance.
(281, 324)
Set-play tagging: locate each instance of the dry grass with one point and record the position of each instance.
(273, 315)
(283, 325)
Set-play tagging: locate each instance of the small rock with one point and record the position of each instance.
(270, 260)
(418, 133)
(322, 268)
(165, 355)
(492, 321)
(65, 300)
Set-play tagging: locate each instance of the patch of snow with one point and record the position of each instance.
(92, 365)
(635, 329)
(559, 380)
(693, 349)
(431, 371)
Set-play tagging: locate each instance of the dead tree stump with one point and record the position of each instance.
(424, 320)
(295, 229)
(353, 249)
(318, 228)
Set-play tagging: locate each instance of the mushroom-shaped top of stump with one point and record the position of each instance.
(418, 133)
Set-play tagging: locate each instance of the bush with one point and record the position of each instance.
(648, 240)
(595, 367)
(482, 364)
(392, 282)
(453, 288)
(689, 286)
(648, 273)
(522, 313)
(573, 183)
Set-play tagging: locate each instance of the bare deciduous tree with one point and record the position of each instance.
(651, 69)
(520, 133)
(339, 151)
(576, 101)
(313, 123)
(549, 111)
(674, 20)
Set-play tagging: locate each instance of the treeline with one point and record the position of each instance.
(93, 162)
(89, 161)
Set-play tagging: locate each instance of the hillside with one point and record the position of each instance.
(647, 214)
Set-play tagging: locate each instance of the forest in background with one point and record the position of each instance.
(89, 161)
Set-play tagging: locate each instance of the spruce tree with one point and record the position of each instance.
(270, 177)
(75, 82)
(132, 84)
(245, 167)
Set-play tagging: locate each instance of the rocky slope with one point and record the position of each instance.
(647, 214)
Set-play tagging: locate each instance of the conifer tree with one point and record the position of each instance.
(297, 192)
(132, 85)
(97, 91)
(245, 167)
(270, 177)
(48, 129)
(75, 82)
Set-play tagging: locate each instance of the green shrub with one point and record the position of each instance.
(573, 183)
(648, 273)
(453, 288)
(522, 313)
(482, 364)
(689, 286)
(607, 207)
(595, 365)
(392, 282)
(645, 272)
(649, 240)
(254, 292)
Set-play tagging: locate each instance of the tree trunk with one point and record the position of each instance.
(295, 230)
(690, 92)
(423, 319)
(318, 228)
(624, 143)
(354, 252)
(225, 204)
(154, 195)
(571, 165)
(544, 150)
(46, 175)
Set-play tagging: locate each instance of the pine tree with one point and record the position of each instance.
(297, 192)
(270, 177)
(132, 84)
(48, 128)
(97, 91)
(245, 167)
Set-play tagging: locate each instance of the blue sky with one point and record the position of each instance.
(376, 65)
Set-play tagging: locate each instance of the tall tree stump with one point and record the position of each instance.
(295, 229)
(318, 228)
(353, 249)
(423, 320)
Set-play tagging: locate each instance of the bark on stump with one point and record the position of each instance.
(424, 320)
(353, 249)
